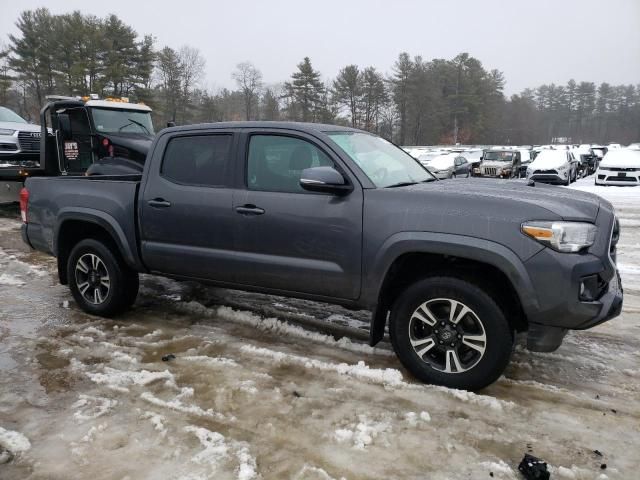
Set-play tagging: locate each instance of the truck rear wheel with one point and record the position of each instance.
(447, 331)
(99, 280)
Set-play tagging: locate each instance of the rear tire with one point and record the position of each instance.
(470, 352)
(99, 280)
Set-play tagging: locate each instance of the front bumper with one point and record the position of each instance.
(548, 178)
(606, 177)
(574, 291)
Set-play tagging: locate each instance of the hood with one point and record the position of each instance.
(547, 163)
(439, 163)
(622, 159)
(22, 127)
(135, 143)
(513, 199)
(496, 164)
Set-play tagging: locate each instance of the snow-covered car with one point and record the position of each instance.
(634, 146)
(552, 166)
(449, 166)
(620, 166)
(19, 140)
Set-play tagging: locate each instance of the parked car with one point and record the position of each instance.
(499, 163)
(19, 139)
(339, 215)
(552, 166)
(450, 165)
(587, 160)
(620, 166)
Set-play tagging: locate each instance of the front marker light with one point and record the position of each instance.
(566, 237)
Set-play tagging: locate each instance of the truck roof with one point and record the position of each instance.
(117, 105)
(301, 126)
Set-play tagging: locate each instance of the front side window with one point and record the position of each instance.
(385, 164)
(197, 160)
(275, 162)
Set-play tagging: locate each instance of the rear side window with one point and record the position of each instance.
(197, 160)
(276, 162)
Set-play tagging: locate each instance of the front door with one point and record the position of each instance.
(287, 238)
(186, 219)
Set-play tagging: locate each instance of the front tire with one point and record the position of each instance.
(447, 331)
(99, 280)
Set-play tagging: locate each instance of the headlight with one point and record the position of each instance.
(6, 131)
(564, 237)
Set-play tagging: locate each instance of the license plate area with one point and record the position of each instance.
(622, 174)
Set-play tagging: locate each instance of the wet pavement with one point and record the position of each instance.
(273, 388)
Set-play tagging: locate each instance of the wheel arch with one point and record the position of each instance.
(415, 255)
(74, 226)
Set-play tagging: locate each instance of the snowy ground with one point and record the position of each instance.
(261, 388)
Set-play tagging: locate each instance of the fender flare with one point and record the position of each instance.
(103, 220)
(461, 246)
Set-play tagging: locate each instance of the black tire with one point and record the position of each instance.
(453, 175)
(498, 334)
(109, 269)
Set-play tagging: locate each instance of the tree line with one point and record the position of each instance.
(419, 102)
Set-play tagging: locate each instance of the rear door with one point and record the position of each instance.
(185, 208)
(288, 238)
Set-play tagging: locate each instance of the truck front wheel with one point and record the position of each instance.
(447, 331)
(99, 280)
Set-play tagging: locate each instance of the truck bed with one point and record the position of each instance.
(110, 201)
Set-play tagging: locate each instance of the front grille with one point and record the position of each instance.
(621, 179)
(616, 169)
(29, 141)
(489, 171)
(546, 172)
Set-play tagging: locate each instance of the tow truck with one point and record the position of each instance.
(86, 136)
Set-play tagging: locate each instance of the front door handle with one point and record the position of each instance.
(159, 203)
(249, 209)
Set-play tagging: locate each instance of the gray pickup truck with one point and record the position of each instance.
(333, 214)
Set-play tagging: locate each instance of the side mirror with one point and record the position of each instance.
(171, 124)
(324, 179)
(64, 125)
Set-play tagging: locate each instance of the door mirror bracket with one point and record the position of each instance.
(325, 180)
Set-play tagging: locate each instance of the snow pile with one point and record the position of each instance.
(309, 472)
(387, 376)
(363, 433)
(275, 326)
(217, 450)
(15, 442)
(121, 380)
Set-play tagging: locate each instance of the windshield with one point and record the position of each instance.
(385, 164)
(108, 120)
(7, 115)
(498, 156)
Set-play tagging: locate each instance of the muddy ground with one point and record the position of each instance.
(273, 388)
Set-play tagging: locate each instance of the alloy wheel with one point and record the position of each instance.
(447, 335)
(92, 278)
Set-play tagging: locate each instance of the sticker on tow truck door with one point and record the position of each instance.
(71, 150)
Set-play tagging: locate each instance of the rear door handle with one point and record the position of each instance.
(249, 210)
(159, 203)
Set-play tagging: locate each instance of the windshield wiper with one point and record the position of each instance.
(401, 184)
(137, 123)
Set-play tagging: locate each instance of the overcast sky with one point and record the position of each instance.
(532, 42)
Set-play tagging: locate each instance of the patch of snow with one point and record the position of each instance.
(10, 280)
(90, 407)
(177, 405)
(157, 421)
(500, 468)
(213, 361)
(363, 433)
(15, 442)
(121, 380)
(309, 472)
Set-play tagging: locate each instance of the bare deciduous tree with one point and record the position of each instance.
(249, 80)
